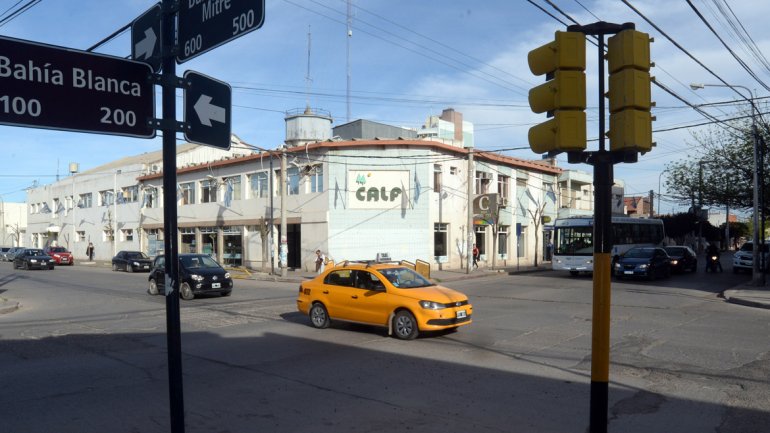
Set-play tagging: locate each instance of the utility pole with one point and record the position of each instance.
(471, 234)
(283, 253)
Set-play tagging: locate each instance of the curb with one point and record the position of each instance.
(745, 302)
(8, 306)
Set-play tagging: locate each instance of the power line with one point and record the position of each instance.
(735, 56)
(15, 14)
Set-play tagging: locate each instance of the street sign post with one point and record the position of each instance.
(145, 38)
(46, 86)
(207, 24)
(207, 110)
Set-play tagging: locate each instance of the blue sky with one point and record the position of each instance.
(408, 60)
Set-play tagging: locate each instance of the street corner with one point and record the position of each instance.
(748, 297)
(7, 306)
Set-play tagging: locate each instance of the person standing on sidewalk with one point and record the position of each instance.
(90, 252)
(320, 262)
(475, 256)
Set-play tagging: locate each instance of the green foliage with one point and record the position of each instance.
(719, 169)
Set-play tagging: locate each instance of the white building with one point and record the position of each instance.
(351, 198)
(104, 205)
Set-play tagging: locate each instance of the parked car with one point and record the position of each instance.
(60, 255)
(743, 259)
(199, 274)
(31, 258)
(683, 258)
(648, 262)
(131, 261)
(10, 254)
(4, 250)
(382, 294)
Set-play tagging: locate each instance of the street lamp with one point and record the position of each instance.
(757, 276)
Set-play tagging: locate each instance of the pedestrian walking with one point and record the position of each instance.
(475, 256)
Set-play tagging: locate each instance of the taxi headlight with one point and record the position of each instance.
(197, 277)
(430, 305)
(644, 266)
(227, 275)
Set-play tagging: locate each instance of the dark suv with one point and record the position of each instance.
(199, 274)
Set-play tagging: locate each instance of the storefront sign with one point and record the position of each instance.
(378, 189)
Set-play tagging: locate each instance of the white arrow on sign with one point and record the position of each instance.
(146, 46)
(207, 111)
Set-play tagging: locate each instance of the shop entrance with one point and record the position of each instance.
(294, 242)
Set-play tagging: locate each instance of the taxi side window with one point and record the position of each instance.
(368, 281)
(339, 278)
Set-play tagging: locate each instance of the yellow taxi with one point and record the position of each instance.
(382, 294)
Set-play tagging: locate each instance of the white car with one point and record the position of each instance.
(743, 259)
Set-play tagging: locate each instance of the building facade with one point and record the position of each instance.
(349, 192)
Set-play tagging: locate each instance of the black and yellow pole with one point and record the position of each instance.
(600, 334)
(602, 161)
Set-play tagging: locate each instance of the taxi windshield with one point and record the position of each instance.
(405, 278)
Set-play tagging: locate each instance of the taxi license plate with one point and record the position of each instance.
(461, 314)
(146, 266)
(628, 272)
(216, 285)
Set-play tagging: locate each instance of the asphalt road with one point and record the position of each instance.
(86, 353)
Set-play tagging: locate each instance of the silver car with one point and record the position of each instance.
(7, 255)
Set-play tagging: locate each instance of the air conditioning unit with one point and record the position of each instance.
(154, 168)
(503, 202)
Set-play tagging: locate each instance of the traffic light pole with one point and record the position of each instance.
(602, 161)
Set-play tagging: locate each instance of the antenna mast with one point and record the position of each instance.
(308, 80)
(350, 35)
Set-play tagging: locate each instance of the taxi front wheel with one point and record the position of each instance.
(405, 326)
(318, 316)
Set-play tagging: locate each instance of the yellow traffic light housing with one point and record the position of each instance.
(565, 132)
(630, 100)
(563, 96)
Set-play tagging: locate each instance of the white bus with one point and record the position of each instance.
(574, 246)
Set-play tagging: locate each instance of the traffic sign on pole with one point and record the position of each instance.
(145, 38)
(46, 86)
(207, 24)
(207, 110)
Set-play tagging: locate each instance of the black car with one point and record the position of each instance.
(31, 258)
(199, 274)
(683, 258)
(649, 262)
(131, 261)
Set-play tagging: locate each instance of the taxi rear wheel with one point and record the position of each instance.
(405, 326)
(318, 316)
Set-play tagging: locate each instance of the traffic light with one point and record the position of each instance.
(628, 59)
(563, 96)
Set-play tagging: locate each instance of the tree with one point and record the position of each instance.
(720, 170)
(537, 220)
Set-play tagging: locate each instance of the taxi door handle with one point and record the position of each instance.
(326, 292)
(354, 296)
